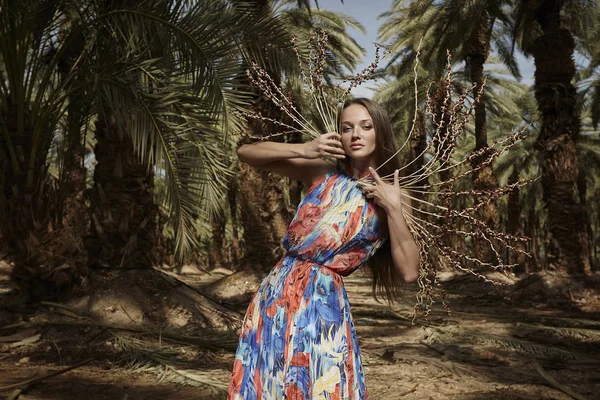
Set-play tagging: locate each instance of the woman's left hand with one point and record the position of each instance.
(387, 196)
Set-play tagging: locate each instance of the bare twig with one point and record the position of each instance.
(413, 389)
(443, 213)
(32, 381)
(555, 383)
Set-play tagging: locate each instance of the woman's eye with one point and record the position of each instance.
(367, 127)
(346, 129)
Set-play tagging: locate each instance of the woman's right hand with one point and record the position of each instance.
(326, 145)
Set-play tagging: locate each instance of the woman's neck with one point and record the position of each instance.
(362, 165)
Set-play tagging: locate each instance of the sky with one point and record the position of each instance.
(366, 12)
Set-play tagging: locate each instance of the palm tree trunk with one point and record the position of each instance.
(536, 262)
(418, 143)
(217, 252)
(477, 50)
(232, 199)
(513, 226)
(74, 216)
(47, 256)
(442, 118)
(566, 240)
(268, 203)
(125, 220)
(263, 216)
(582, 189)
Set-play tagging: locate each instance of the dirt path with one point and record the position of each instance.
(488, 350)
(497, 345)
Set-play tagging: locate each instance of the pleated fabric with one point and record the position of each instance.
(298, 340)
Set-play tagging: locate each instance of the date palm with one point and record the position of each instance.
(545, 30)
(41, 215)
(528, 212)
(397, 95)
(589, 151)
(160, 81)
(194, 95)
(521, 212)
(588, 154)
(266, 201)
(589, 79)
(468, 29)
(343, 50)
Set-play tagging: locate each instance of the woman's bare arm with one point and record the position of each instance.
(405, 252)
(299, 161)
(404, 249)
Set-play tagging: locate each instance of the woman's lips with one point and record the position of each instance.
(356, 146)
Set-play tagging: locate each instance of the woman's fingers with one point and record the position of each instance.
(332, 135)
(335, 143)
(329, 145)
(376, 176)
(334, 151)
(373, 196)
(370, 193)
(380, 191)
(332, 148)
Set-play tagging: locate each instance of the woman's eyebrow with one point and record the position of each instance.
(361, 121)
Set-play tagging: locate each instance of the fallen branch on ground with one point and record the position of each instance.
(48, 376)
(555, 383)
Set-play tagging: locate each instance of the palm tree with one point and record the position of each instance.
(589, 92)
(545, 30)
(502, 102)
(343, 50)
(589, 79)
(527, 215)
(266, 201)
(522, 212)
(468, 29)
(39, 60)
(158, 107)
(160, 80)
(588, 149)
(222, 36)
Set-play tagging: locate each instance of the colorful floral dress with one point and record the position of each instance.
(298, 340)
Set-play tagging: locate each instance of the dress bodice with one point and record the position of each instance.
(335, 224)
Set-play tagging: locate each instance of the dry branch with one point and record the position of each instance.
(555, 383)
(443, 212)
(218, 315)
(32, 381)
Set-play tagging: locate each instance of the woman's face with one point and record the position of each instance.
(358, 135)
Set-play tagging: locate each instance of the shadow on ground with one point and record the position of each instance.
(151, 334)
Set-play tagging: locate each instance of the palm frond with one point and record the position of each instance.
(522, 346)
(579, 334)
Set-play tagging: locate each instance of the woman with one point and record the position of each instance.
(298, 339)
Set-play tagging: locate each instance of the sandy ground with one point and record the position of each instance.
(144, 339)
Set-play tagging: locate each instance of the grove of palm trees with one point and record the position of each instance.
(132, 239)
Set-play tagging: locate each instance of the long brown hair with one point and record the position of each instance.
(386, 280)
